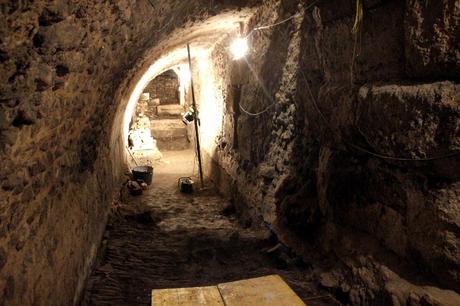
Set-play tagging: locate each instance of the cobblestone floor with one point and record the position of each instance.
(165, 239)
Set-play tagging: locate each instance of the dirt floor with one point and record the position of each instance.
(165, 239)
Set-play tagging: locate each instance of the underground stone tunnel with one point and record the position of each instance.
(330, 149)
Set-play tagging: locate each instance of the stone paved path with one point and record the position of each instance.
(166, 239)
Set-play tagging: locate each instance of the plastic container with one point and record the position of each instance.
(144, 173)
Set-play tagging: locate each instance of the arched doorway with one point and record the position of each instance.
(164, 89)
(156, 124)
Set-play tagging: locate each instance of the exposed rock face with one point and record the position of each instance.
(59, 68)
(356, 156)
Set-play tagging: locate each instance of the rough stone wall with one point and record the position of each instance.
(164, 87)
(359, 155)
(247, 151)
(61, 63)
(402, 109)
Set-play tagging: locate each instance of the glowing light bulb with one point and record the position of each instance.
(239, 48)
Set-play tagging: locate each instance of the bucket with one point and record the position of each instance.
(143, 173)
(185, 185)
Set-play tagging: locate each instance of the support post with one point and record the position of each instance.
(195, 111)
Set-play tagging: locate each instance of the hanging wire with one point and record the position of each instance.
(275, 24)
(256, 114)
(265, 92)
(455, 153)
(264, 27)
(357, 31)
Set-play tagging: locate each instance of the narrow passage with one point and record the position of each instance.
(166, 239)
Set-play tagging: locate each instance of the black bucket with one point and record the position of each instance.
(143, 173)
(185, 185)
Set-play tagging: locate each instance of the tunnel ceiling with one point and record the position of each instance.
(202, 35)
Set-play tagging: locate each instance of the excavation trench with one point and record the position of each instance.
(167, 239)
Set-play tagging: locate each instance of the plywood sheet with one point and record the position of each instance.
(199, 296)
(262, 291)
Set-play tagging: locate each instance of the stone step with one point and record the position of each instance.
(170, 134)
(173, 144)
(170, 110)
(168, 128)
(167, 124)
(167, 134)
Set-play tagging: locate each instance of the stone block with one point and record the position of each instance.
(410, 121)
(171, 134)
(170, 110)
(434, 226)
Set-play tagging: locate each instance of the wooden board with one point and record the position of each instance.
(199, 296)
(262, 291)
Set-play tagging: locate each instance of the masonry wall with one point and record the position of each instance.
(61, 65)
(336, 162)
(164, 87)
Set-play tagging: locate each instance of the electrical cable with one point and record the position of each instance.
(257, 28)
(357, 32)
(359, 148)
(258, 113)
(264, 27)
(404, 158)
(275, 24)
(264, 91)
(358, 17)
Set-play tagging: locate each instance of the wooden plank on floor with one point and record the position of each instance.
(198, 296)
(262, 291)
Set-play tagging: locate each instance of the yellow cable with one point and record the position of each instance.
(358, 17)
(355, 31)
